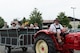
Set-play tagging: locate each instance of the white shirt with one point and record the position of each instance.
(54, 26)
(36, 27)
(17, 26)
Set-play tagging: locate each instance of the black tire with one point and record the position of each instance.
(24, 49)
(7, 49)
(71, 51)
(48, 40)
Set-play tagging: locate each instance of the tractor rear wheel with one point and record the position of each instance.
(44, 44)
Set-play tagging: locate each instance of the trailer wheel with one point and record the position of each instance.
(44, 44)
(7, 49)
(24, 49)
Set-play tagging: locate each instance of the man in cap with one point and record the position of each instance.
(14, 25)
(56, 28)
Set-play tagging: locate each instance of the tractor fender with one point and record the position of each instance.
(47, 32)
(73, 40)
(50, 34)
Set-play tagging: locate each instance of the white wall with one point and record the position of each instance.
(76, 24)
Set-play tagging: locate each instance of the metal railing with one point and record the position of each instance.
(17, 37)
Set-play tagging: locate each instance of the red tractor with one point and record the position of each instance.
(45, 42)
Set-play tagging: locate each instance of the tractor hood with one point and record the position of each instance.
(73, 40)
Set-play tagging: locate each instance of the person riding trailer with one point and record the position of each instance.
(57, 29)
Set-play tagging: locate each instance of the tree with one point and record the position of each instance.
(69, 26)
(78, 26)
(23, 20)
(64, 20)
(1, 22)
(36, 17)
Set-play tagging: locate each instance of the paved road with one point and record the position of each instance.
(76, 51)
(28, 51)
(20, 51)
(2, 49)
(16, 50)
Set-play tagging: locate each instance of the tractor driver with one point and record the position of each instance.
(56, 27)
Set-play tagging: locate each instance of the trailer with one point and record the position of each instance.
(17, 38)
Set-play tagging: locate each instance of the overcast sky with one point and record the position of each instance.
(10, 9)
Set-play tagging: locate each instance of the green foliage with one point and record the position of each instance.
(69, 26)
(78, 26)
(1, 22)
(36, 17)
(64, 20)
(24, 20)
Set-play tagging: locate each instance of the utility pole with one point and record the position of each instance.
(73, 8)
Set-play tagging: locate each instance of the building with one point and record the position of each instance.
(46, 23)
(72, 22)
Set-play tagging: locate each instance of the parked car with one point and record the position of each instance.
(74, 30)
